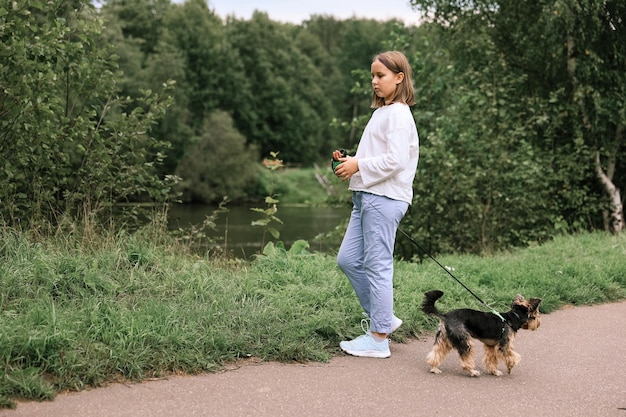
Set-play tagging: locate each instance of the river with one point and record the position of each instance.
(238, 237)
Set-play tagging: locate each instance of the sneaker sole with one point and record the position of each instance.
(368, 353)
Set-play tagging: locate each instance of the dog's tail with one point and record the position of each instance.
(428, 306)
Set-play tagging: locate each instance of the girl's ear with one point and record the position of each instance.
(399, 77)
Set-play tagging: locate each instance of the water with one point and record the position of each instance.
(238, 237)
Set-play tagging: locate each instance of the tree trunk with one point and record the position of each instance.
(614, 216)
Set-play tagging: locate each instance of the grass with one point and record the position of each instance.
(300, 186)
(77, 313)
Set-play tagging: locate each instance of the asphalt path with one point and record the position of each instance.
(573, 365)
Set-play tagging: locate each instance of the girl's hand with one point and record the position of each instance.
(337, 155)
(348, 167)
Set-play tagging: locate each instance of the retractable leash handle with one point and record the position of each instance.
(335, 163)
(491, 309)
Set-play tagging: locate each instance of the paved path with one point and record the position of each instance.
(574, 365)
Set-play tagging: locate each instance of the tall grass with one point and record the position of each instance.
(76, 313)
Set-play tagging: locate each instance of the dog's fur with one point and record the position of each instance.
(458, 327)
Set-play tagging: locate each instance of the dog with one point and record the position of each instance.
(458, 327)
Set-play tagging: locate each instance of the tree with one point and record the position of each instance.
(325, 105)
(68, 142)
(596, 68)
(148, 59)
(286, 101)
(573, 58)
(141, 20)
(218, 163)
(198, 34)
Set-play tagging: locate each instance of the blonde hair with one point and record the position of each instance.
(396, 62)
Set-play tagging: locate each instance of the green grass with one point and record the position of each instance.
(78, 312)
(300, 186)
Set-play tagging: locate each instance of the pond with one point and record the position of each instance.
(238, 237)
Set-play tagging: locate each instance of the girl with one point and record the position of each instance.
(381, 178)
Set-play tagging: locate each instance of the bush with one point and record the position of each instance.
(218, 163)
(68, 141)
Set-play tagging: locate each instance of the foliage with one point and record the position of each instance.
(148, 58)
(81, 310)
(67, 139)
(286, 108)
(200, 237)
(520, 109)
(143, 21)
(299, 247)
(198, 34)
(516, 121)
(271, 201)
(217, 163)
(299, 186)
(493, 189)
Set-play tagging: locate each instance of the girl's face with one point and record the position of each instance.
(384, 81)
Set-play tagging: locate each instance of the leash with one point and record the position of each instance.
(491, 309)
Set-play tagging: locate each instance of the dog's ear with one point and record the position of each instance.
(534, 303)
(519, 299)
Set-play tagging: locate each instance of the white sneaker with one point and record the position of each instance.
(365, 346)
(395, 323)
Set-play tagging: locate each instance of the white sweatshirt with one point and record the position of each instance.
(388, 153)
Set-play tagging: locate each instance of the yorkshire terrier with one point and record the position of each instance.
(458, 327)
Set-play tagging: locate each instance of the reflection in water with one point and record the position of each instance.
(236, 235)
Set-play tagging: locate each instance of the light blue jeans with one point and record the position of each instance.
(366, 254)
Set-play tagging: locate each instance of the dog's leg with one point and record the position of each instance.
(462, 341)
(440, 349)
(511, 358)
(467, 358)
(491, 360)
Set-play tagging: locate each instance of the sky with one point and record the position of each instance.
(294, 11)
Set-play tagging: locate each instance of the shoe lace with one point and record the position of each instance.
(365, 323)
